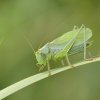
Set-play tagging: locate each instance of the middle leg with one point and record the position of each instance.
(48, 66)
(68, 61)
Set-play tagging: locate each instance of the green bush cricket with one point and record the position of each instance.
(68, 44)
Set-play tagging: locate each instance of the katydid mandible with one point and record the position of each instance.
(68, 44)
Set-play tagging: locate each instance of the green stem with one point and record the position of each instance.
(35, 78)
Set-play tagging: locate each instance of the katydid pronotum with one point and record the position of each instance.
(68, 44)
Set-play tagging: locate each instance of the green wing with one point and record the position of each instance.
(80, 37)
(64, 38)
(59, 43)
(68, 45)
(70, 40)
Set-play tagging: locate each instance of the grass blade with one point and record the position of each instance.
(35, 78)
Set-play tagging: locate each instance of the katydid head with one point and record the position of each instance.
(40, 59)
(39, 56)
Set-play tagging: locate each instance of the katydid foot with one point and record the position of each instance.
(89, 59)
(49, 74)
(71, 65)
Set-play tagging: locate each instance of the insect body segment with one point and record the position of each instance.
(42, 55)
(69, 43)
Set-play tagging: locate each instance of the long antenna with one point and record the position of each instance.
(29, 42)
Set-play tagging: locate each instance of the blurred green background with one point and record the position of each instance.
(42, 21)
